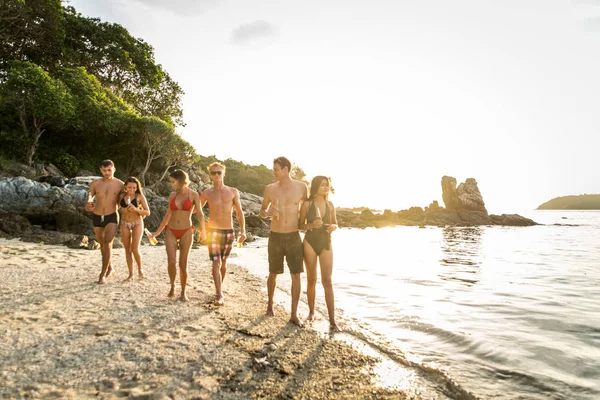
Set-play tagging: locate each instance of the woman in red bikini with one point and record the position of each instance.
(183, 202)
(134, 208)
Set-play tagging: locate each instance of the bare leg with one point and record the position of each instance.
(223, 270)
(136, 238)
(110, 231)
(185, 245)
(326, 263)
(171, 245)
(296, 288)
(105, 237)
(271, 280)
(217, 278)
(310, 262)
(99, 233)
(126, 238)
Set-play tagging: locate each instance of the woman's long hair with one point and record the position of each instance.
(314, 186)
(136, 181)
(181, 176)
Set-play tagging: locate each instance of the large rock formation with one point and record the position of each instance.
(464, 207)
(466, 197)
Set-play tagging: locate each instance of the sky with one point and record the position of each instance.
(386, 97)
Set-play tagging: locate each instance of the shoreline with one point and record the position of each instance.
(67, 337)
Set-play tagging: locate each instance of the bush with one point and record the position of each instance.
(68, 164)
(6, 162)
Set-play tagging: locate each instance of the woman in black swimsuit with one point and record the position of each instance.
(134, 208)
(317, 218)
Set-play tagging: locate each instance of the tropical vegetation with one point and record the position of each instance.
(75, 90)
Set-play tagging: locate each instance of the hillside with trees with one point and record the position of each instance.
(579, 202)
(75, 90)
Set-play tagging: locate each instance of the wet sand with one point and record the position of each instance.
(64, 336)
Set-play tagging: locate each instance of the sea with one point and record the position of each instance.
(487, 312)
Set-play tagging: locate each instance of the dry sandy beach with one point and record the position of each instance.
(64, 336)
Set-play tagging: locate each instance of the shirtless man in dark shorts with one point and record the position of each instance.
(281, 202)
(222, 200)
(104, 213)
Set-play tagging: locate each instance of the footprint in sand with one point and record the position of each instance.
(190, 328)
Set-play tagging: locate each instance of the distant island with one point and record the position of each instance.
(577, 202)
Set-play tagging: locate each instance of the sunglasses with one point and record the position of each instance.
(216, 172)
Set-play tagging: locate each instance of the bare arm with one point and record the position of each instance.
(91, 192)
(302, 223)
(166, 218)
(144, 211)
(333, 226)
(239, 213)
(305, 197)
(266, 209)
(200, 213)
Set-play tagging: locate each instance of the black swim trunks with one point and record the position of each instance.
(220, 242)
(100, 221)
(288, 245)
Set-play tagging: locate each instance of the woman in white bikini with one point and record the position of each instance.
(134, 208)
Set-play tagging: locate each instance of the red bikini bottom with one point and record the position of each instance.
(180, 232)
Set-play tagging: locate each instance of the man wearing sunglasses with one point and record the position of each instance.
(281, 202)
(222, 200)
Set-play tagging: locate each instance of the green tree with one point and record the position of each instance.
(177, 153)
(36, 100)
(124, 64)
(99, 110)
(31, 30)
(298, 173)
(11, 19)
(156, 137)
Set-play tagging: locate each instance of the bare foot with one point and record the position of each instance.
(270, 311)
(334, 327)
(311, 317)
(130, 277)
(141, 273)
(171, 292)
(219, 301)
(296, 321)
(102, 280)
(183, 297)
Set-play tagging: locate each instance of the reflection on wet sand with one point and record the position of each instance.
(462, 253)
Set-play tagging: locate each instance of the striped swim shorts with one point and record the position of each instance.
(220, 242)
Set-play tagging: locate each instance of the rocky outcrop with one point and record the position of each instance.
(465, 197)
(21, 195)
(416, 216)
(464, 207)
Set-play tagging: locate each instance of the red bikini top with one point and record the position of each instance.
(186, 206)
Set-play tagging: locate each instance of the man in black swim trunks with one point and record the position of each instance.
(281, 202)
(104, 213)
